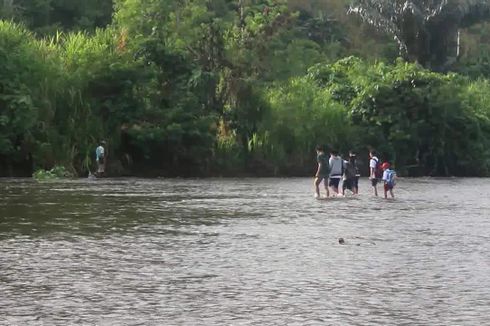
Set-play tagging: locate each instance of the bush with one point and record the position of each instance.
(29, 75)
(415, 117)
(302, 114)
(56, 172)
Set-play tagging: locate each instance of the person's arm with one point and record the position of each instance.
(318, 169)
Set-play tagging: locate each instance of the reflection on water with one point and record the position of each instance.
(242, 252)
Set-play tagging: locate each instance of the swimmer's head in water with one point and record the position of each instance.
(341, 241)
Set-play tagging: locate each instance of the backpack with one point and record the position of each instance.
(350, 170)
(378, 171)
(390, 178)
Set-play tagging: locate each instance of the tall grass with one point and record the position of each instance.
(302, 114)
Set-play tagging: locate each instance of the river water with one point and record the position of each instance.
(242, 252)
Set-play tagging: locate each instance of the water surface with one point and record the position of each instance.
(242, 252)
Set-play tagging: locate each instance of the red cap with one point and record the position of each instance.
(385, 165)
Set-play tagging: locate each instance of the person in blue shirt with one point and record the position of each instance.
(322, 171)
(100, 158)
(389, 176)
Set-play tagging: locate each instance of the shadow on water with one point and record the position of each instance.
(97, 207)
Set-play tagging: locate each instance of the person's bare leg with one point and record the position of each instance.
(392, 194)
(317, 186)
(325, 183)
(386, 194)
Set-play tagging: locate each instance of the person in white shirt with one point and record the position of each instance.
(375, 172)
(336, 171)
(100, 159)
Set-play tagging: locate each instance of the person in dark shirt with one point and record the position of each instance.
(350, 175)
(322, 171)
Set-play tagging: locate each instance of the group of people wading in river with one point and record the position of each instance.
(331, 170)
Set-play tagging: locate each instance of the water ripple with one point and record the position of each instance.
(242, 252)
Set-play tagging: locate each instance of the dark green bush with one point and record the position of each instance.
(414, 117)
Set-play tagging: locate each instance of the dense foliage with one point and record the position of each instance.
(206, 87)
(415, 117)
(425, 122)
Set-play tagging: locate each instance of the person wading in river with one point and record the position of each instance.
(322, 171)
(389, 177)
(375, 171)
(358, 174)
(350, 180)
(336, 171)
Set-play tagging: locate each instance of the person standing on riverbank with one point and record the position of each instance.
(336, 171)
(322, 171)
(100, 158)
(375, 172)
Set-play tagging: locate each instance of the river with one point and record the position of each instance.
(242, 252)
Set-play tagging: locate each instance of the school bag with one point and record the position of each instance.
(390, 178)
(378, 171)
(350, 170)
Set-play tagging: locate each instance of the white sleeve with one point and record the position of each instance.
(372, 163)
(385, 176)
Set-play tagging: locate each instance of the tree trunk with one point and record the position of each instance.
(443, 46)
(435, 47)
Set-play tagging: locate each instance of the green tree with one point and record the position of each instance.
(30, 73)
(174, 128)
(475, 51)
